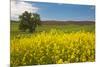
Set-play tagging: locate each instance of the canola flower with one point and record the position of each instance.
(54, 47)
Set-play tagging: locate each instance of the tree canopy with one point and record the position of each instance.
(29, 21)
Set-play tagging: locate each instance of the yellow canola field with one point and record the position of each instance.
(53, 48)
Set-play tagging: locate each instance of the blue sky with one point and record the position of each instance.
(62, 12)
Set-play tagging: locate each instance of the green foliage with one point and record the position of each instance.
(29, 21)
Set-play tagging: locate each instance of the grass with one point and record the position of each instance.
(65, 28)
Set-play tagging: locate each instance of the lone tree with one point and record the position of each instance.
(29, 21)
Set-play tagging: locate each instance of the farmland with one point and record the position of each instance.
(58, 25)
(53, 44)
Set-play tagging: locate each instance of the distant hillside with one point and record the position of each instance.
(66, 22)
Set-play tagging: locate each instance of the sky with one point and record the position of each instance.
(54, 11)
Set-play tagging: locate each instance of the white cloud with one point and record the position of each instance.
(18, 7)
